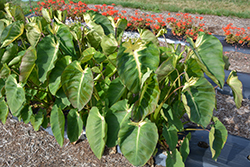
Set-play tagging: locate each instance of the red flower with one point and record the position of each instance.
(129, 24)
(113, 4)
(227, 32)
(179, 24)
(240, 41)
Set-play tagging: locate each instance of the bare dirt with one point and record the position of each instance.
(20, 145)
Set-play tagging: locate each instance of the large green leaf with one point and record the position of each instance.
(55, 75)
(148, 98)
(66, 40)
(27, 64)
(147, 36)
(61, 100)
(116, 116)
(74, 125)
(121, 25)
(174, 159)
(133, 60)
(15, 95)
(138, 141)
(99, 19)
(96, 132)
(37, 119)
(115, 91)
(166, 68)
(14, 11)
(193, 69)
(11, 33)
(77, 84)
(47, 15)
(5, 71)
(109, 44)
(33, 33)
(17, 59)
(170, 135)
(26, 113)
(94, 39)
(47, 51)
(208, 52)
(217, 138)
(198, 97)
(184, 149)
(99, 57)
(236, 86)
(87, 54)
(10, 53)
(171, 116)
(4, 110)
(57, 122)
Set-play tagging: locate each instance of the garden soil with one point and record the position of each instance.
(20, 145)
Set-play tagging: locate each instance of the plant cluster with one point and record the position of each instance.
(187, 26)
(236, 35)
(131, 93)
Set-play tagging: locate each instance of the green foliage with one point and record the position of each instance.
(132, 93)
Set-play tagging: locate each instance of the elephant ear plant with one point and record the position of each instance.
(132, 93)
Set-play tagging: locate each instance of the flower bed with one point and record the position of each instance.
(183, 26)
(236, 35)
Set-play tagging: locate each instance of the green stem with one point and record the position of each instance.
(23, 43)
(167, 96)
(162, 144)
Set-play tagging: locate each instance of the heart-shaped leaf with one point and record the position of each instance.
(4, 110)
(77, 84)
(55, 75)
(174, 159)
(166, 68)
(137, 141)
(33, 33)
(109, 44)
(134, 60)
(15, 95)
(74, 125)
(148, 99)
(116, 116)
(10, 53)
(217, 137)
(37, 119)
(236, 86)
(27, 64)
(57, 122)
(47, 51)
(170, 135)
(96, 132)
(208, 52)
(198, 97)
(115, 91)
(184, 149)
(66, 40)
(11, 33)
